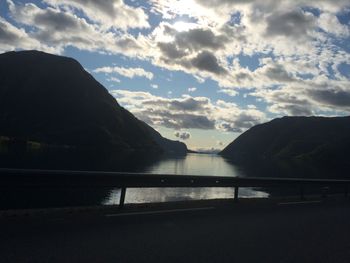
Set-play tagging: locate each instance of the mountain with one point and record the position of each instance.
(170, 146)
(315, 141)
(51, 99)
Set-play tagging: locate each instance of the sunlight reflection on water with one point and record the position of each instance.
(192, 164)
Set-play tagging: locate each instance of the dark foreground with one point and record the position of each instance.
(250, 231)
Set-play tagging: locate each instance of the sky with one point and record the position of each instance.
(199, 71)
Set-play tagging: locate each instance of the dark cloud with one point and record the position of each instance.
(332, 97)
(189, 104)
(195, 121)
(105, 6)
(186, 104)
(283, 96)
(242, 122)
(170, 50)
(294, 109)
(279, 73)
(56, 21)
(184, 48)
(109, 13)
(296, 23)
(208, 62)
(287, 101)
(176, 120)
(55, 26)
(243, 76)
(197, 39)
(182, 135)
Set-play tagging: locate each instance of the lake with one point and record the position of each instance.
(191, 164)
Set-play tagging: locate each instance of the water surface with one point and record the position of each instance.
(192, 164)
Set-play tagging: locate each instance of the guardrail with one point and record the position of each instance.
(124, 180)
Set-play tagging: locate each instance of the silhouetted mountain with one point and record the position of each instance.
(52, 99)
(315, 141)
(170, 146)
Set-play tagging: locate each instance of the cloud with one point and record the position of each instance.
(278, 73)
(192, 89)
(11, 37)
(108, 13)
(188, 112)
(192, 50)
(182, 135)
(199, 38)
(229, 92)
(293, 24)
(57, 29)
(286, 101)
(333, 97)
(126, 72)
(244, 120)
(113, 79)
(171, 51)
(208, 62)
(317, 96)
(330, 23)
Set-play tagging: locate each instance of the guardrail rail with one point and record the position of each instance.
(124, 180)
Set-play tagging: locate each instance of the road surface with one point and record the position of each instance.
(250, 231)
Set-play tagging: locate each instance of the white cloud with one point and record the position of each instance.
(192, 89)
(10, 37)
(330, 23)
(113, 79)
(126, 72)
(229, 92)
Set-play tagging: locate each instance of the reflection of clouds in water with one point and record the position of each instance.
(150, 195)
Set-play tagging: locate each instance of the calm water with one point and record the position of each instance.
(192, 164)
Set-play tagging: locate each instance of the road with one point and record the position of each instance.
(250, 231)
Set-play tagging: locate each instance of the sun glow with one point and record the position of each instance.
(183, 26)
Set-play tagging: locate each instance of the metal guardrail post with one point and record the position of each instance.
(346, 193)
(302, 193)
(122, 197)
(236, 194)
(324, 192)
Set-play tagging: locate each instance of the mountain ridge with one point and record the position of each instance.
(52, 99)
(317, 141)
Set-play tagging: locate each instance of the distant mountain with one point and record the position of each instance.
(52, 99)
(315, 141)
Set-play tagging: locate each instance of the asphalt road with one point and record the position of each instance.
(251, 231)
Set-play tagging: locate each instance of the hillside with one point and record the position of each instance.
(317, 141)
(51, 99)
